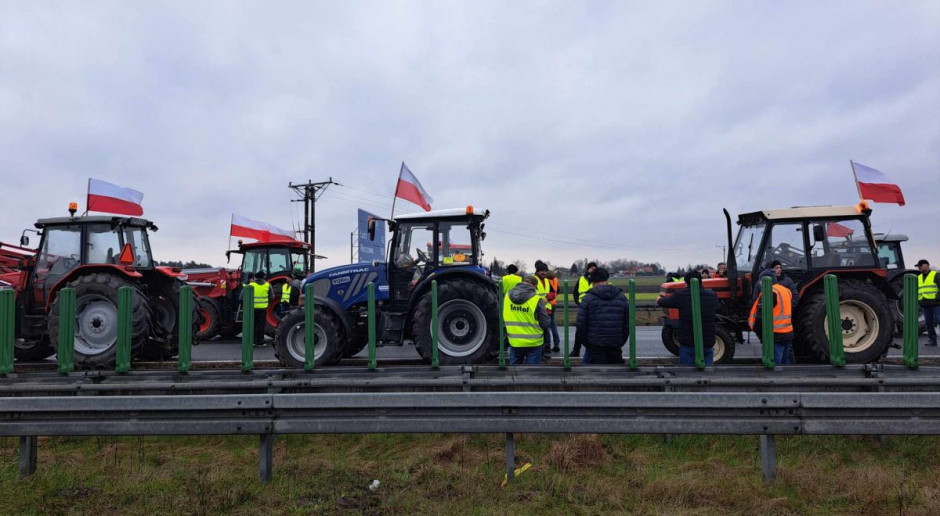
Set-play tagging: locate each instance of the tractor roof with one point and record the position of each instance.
(127, 221)
(890, 237)
(259, 245)
(453, 213)
(800, 213)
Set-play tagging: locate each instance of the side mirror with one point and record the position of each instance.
(228, 256)
(24, 241)
(483, 235)
(371, 228)
(819, 233)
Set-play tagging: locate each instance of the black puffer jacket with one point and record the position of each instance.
(603, 318)
(682, 299)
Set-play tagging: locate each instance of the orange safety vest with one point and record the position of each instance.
(553, 285)
(783, 312)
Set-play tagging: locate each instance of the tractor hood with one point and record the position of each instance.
(347, 284)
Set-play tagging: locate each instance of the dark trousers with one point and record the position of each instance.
(602, 355)
(687, 355)
(525, 356)
(931, 318)
(261, 316)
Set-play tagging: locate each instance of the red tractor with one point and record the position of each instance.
(95, 256)
(219, 290)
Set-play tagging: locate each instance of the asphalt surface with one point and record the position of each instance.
(649, 345)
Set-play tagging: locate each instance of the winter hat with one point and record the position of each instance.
(540, 266)
(599, 275)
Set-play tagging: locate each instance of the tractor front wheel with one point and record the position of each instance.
(670, 336)
(289, 344)
(211, 318)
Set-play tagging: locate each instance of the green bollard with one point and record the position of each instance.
(567, 360)
(65, 352)
(125, 298)
(632, 297)
(310, 328)
(372, 360)
(7, 329)
(185, 357)
(911, 325)
(697, 324)
(248, 328)
(502, 327)
(767, 321)
(834, 321)
(435, 364)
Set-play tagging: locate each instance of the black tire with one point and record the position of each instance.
(210, 314)
(723, 351)
(868, 325)
(32, 350)
(96, 301)
(289, 339)
(467, 323)
(357, 342)
(897, 306)
(671, 340)
(164, 321)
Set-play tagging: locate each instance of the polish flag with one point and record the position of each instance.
(410, 189)
(260, 231)
(111, 198)
(837, 230)
(875, 186)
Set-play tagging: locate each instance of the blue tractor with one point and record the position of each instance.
(442, 245)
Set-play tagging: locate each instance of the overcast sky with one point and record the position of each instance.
(593, 129)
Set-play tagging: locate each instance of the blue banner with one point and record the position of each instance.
(370, 250)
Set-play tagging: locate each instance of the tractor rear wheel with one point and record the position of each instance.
(96, 319)
(211, 318)
(671, 340)
(289, 345)
(897, 307)
(867, 323)
(467, 323)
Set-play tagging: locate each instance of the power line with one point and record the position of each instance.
(310, 193)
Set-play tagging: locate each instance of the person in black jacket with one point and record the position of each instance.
(603, 324)
(682, 300)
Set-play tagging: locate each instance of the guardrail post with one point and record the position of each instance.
(7, 330)
(28, 454)
(697, 325)
(248, 328)
(767, 321)
(266, 458)
(834, 320)
(510, 457)
(768, 457)
(65, 352)
(632, 344)
(911, 326)
(185, 357)
(502, 328)
(435, 363)
(567, 357)
(310, 328)
(372, 360)
(125, 298)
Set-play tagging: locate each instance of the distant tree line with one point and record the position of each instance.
(185, 265)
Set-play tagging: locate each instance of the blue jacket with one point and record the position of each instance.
(603, 318)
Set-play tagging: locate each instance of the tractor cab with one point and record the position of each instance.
(889, 251)
(273, 258)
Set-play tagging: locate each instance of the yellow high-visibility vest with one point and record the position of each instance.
(927, 287)
(522, 324)
(261, 294)
(583, 286)
(285, 293)
(510, 281)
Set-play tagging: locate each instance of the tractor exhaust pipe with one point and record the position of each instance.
(730, 262)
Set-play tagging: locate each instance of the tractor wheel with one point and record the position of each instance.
(723, 351)
(289, 340)
(357, 342)
(32, 350)
(211, 318)
(467, 323)
(671, 340)
(867, 323)
(96, 319)
(164, 322)
(898, 305)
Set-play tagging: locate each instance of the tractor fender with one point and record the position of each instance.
(117, 270)
(878, 278)
(337, 309)
(425, 285)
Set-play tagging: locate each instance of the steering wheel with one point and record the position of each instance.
(422, 257)
(784, 253)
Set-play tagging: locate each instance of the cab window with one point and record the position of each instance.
(137, 238)
(278, 260)
(253, 262)
(747, 246)
(840, 244)
(61, 248)
(414, 246)
(455, 244)
(785, 244)
(298, 261)
(103, 244)
(888, 255)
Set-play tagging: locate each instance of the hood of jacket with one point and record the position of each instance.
(521, 293)
(606, 292)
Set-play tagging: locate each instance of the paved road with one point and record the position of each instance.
(649, 345)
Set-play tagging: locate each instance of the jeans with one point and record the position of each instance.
(551, 335)
(600, 355)
(783, 351)
(528, 356)
(931, 318)
(687, 355)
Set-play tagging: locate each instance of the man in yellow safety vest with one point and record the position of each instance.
(512, 278)
(262, 297)
(782, 322)
(928, 286)
(526, 320)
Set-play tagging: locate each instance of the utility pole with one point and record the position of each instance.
(724, 251)
(309, 193)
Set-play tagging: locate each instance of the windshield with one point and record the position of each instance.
(253, 262)
(747, 246)
(278, 261)
(137, 238)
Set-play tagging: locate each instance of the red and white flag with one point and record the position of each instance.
(111, 198)
(260, 231)
(874, 186)
(410, 189)
(839, 231)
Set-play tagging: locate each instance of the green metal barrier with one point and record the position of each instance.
(567, 358)
(834, 321)
(697, 324)
(248, 328)
(372, 360)
(632, 297)
(125, 299)
(65, 352)
(7, 330)
(310, 328)
(435, 363)
(911, 325)
(767, 321)
(502, 327)
(185, 357)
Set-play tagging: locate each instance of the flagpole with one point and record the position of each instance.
(87, 192)
(395, 198)
(857, 187)
(230, 232)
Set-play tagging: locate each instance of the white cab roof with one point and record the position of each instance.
(453, 212)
